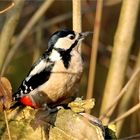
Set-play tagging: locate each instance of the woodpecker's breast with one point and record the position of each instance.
(62, 81)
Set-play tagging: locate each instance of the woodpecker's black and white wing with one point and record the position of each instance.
(39, 74)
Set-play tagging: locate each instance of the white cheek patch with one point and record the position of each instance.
(37, 69)
(55, 56)
(64, 43)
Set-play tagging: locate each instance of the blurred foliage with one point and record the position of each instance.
(36, 42)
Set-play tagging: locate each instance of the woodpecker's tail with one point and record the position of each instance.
(15, 105)
(15, 102)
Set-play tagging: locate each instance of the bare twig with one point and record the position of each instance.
(76, 15)
(9, 28)
(77, 23)
(26, 30)
(53, 21)
(7, 125)
(126, 114)
(58, 19)
(135, 75)
(133, 137)
(139, 91)
(7, 8)
(95, 42)
(126, 99)
(120, 55)
(112, 2)
(5, 38)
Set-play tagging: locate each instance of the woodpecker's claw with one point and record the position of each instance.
(51, 110)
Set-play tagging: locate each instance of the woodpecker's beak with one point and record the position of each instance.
(84, 34)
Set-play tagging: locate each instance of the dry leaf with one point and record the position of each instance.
(5, 93)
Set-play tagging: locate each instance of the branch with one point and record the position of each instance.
(7, 32)
(77, 19)
(58, 19)
(5, 6)
(95, 41)
(122, 45)
(40, 12)
(126, 114)
(124, 104)
(135, 75)
(61, 125)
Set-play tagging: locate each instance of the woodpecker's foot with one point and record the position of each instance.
(51, 110)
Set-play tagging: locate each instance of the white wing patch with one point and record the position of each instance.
(37, 69)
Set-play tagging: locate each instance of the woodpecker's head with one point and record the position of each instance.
(66, 39)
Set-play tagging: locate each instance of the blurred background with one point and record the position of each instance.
(58, 16)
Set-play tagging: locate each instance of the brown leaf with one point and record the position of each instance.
(80, 105)
(5, 93)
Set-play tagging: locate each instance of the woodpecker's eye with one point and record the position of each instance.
(71, 37)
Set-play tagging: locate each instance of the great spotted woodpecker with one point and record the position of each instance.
(55, 74)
